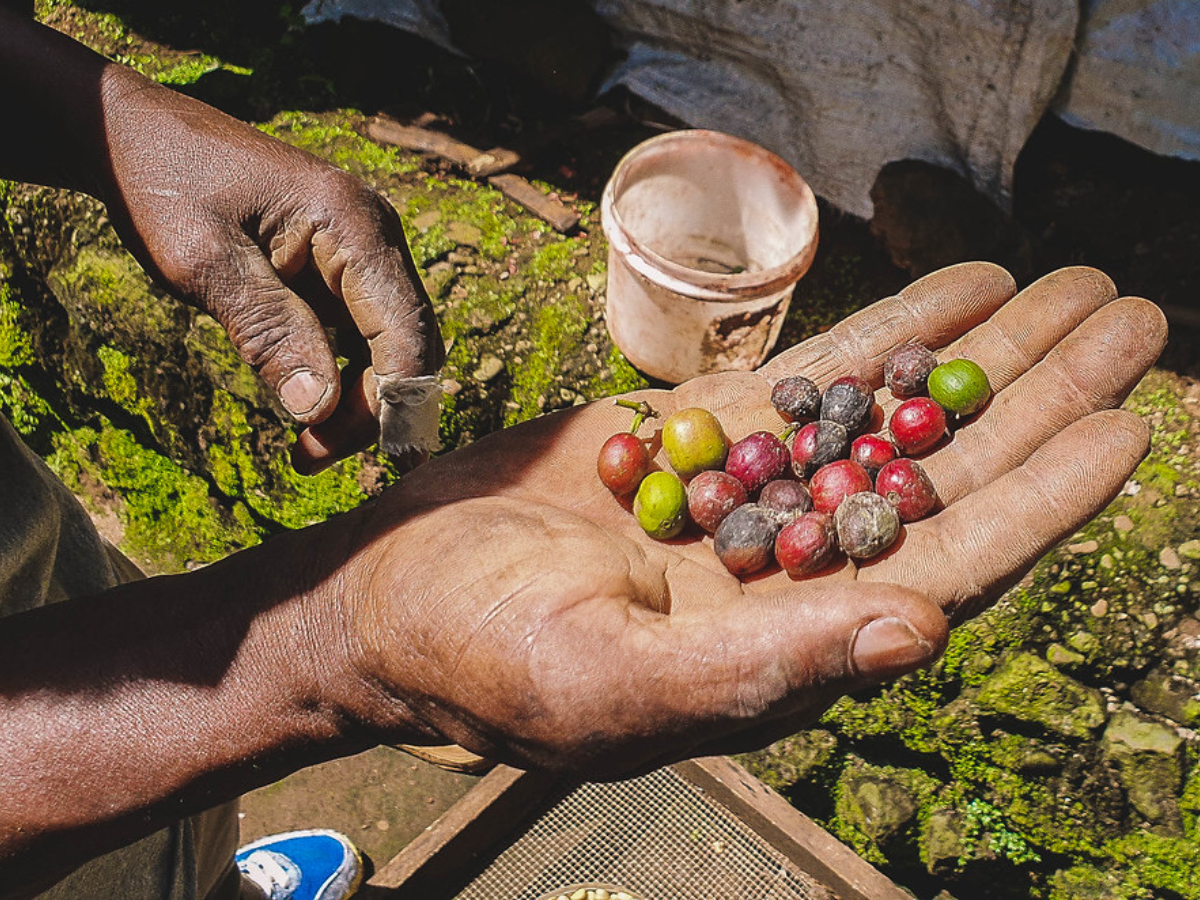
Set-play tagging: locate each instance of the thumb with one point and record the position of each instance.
(281, 338)
(786, 655)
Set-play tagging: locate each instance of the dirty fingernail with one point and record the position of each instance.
(888, 647)
(301, 392)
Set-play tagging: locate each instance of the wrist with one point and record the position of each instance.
(51, 84)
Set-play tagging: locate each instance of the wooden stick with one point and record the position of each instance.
(561, 217)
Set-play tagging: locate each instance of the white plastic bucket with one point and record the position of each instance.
(708, 235)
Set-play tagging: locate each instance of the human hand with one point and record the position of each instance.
(536, 624)
(277, 246)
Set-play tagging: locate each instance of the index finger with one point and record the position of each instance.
(933, 310)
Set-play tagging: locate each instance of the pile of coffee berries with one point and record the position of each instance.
(837, 489)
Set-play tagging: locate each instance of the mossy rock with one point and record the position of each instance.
(785, 763)
(1171, 696)
(1029, 689)
(1148, 756)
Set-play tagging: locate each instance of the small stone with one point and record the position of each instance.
(1106, 561)
(489, 367)
(1099, 608)
(427, 219)
(1063, 657)
(382, 825)
(464, 233)
(1169, 558)
(1123, 524)
(1083, 547)
(1190, 549)
(450, 387)
(597, 280)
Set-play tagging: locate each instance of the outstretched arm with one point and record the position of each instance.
(500, 597)
(274, 243)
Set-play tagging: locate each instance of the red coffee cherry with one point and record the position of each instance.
(711, 496)
(917, 425)
(835, 482)
(807, 544)
(904, 484)
(872, 452)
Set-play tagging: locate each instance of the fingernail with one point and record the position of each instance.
(888, 647)
(301, 392)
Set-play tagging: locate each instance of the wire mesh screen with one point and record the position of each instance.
(658, 836)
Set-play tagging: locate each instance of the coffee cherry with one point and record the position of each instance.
(835, 482)
(623, 463)
(660, 505)
(917, 425)
(849, 401)
(866, 525)
(757, 459)
(745, 541)
(785, 497)
(960, 386)
(872, 452)
(904, 484)
(806, 544)
(906, 369)
(818, 444)
(711, 496)
(694, 441)
(797, 398)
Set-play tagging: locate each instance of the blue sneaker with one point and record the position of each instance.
(302, 865)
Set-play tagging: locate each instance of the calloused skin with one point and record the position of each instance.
(559, 635)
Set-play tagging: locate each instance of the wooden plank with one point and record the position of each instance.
(492, 162)
(559, 215)
(423, 140)
(791, 832)
(449, 848)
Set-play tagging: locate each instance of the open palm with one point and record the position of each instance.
(540, 625)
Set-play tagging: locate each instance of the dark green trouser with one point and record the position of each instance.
(50, 551)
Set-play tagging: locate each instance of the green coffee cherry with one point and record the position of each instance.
(694, 441)
(660, 505)
(960, 387)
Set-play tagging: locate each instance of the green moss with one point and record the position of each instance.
(170, 517)
(553, 262)
(617, 377)
(429, 217)
(120, 385)
(556, 332)
(988, 828)
(1158, 863)
(332, 137)
(16, 346)
(25, 408)
(108, 284)
(486, 304)
(275, 492)
(1029, 689)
